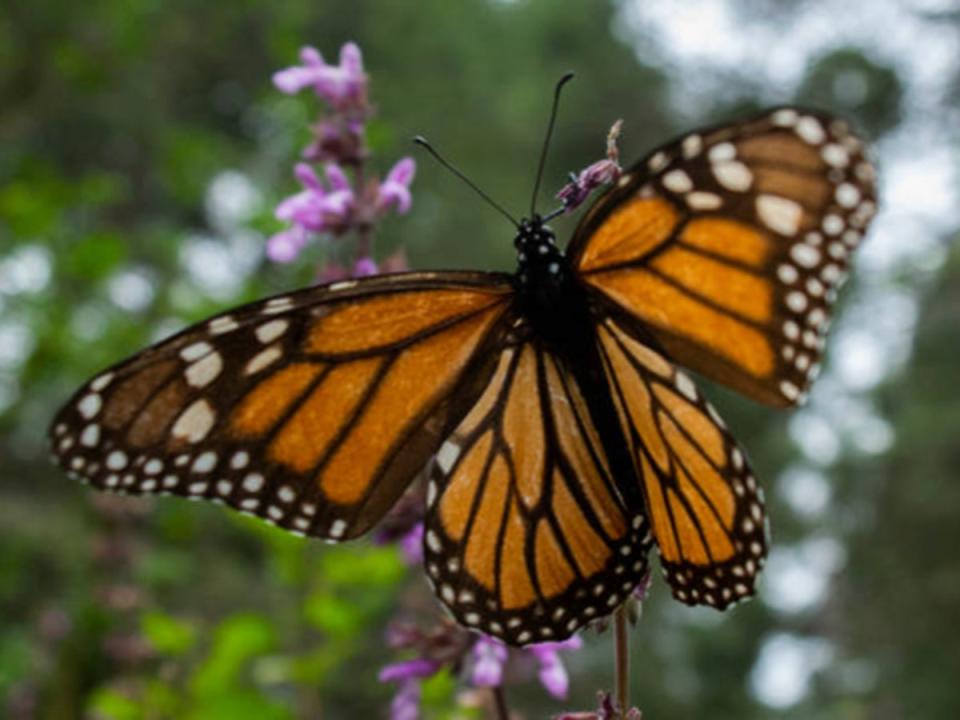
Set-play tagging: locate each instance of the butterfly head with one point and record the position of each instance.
(539, 260)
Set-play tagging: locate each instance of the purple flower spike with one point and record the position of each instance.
(338, 200)
(553, 674)
(395, 190)
(489, 657)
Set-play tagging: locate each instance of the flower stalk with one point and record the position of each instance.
(500, 703)
(621, 643)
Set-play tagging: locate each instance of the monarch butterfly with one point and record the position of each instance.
(562, 438)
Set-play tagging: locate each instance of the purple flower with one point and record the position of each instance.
(406, 669)
(337, 178)
(403, 524)
(284, 246)
(336, 208)
(406, 703)
(365, 267)
(411, 544)
(395, 190)
(489, 657)
(314, 209)
(304, 208)
(642, 589)
(403, 635)
(344, 86)
(336, 205)
(553, 675)
(595, 175)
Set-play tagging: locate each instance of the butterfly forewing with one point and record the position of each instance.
(729, 245)
(702, 501)
(527, 537)
(312, 410)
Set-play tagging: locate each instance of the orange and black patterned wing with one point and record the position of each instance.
(702, 501)
(527, 537)
(312, 410)
(729, 245)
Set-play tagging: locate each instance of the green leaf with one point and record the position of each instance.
(168, 634)
(191, 157)
(112, 705)
(288, 552)
(334, 615)
(163, 699)
(16, 659)
(238, 705)
(28, 210)
(95, 256)
(438, 691)
(363, 566)
(238, 639)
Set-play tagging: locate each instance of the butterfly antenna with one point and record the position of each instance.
(422, 141)
(546, 141)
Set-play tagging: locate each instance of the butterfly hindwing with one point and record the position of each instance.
(702, 501)
(527, 537)
(312, 410)
(729, 245)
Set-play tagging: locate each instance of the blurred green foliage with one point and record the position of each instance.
(118, 118)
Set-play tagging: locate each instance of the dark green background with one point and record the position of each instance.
(118, 122)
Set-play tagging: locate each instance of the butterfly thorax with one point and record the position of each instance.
(539, 261)
(542, 277)
(551, 299)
